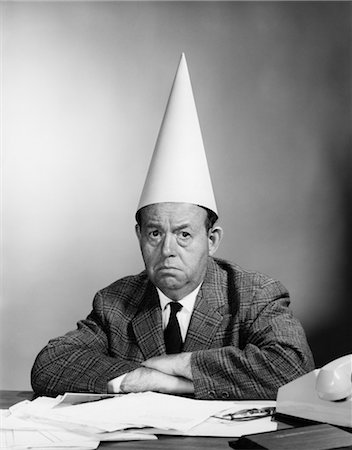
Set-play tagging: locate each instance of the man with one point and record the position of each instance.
(189, 323)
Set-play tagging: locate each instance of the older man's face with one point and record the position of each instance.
(175, 246)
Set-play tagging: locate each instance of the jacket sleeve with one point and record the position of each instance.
(273, 351)
(79, 361)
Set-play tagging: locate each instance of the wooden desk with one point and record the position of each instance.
(9, 398)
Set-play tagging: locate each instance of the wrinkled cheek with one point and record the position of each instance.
(150, 265)
(150, 259)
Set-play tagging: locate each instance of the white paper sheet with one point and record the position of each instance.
(75, 398)
(18, 434)
(150, 412)
(225, 428)
(147, 409)
(45, 439)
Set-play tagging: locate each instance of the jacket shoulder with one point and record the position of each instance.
(129, 288)
(247, 281)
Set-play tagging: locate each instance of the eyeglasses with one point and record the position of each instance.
(248, 414)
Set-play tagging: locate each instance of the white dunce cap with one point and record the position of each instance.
(178, 171)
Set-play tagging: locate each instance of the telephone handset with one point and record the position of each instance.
(334, 381)
(323, 395)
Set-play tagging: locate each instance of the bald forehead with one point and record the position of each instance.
(177, 213)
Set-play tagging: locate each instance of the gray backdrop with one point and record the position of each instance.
(84, 88)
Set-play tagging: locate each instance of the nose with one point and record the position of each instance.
(168, 245)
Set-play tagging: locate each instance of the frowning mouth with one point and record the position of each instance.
(166, 269)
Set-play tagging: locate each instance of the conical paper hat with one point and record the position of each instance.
(178, 171)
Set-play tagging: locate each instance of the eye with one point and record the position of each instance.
(154, 233)
(184, 238)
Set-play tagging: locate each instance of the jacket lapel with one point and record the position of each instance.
(206, 318)
(208, 310)
(147, 325)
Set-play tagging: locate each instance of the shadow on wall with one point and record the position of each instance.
(329, 342)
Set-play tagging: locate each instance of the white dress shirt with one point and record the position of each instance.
(183, 317)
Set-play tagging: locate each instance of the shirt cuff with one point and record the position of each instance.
(114, 386)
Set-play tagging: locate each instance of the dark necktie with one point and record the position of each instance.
(172, 333)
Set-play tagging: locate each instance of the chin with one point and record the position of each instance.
(168, 283)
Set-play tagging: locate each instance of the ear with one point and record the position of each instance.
(138, 232)
(214, 237)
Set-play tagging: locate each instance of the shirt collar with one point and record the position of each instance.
(187, 302)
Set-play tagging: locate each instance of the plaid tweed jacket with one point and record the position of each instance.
(244, 340)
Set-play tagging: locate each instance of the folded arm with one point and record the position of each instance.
(79, 361)
(145, 379)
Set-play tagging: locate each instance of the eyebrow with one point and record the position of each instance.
(152, 224)
(182, 226)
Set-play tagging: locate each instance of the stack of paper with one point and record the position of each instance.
(146, 409)
(19, 434)
(83, 420)
(19, 430)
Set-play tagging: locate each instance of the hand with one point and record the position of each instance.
(177, 365)
(145, 379)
